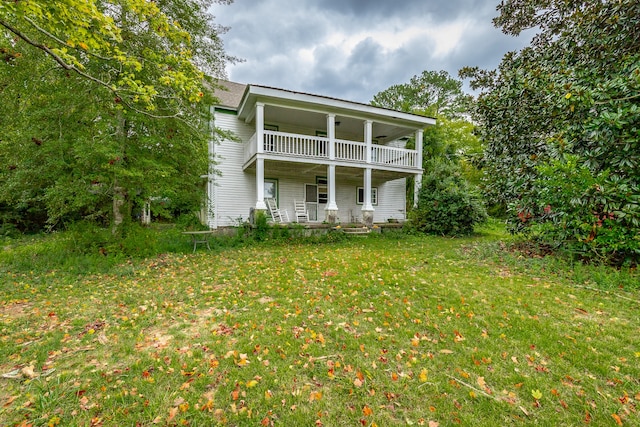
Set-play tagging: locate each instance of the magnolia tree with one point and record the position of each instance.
(560, 122)
(102, 107)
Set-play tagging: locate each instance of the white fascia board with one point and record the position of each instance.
(326, 104)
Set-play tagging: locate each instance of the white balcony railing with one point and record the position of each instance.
(293, 144)
(383, 155)
(297, 145)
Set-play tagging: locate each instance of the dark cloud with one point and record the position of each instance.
(353, 49)
(385, 8)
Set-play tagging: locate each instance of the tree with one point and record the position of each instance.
(109, 117)
(142, 51)
(433, 93)
(447, 204)
(560, 122)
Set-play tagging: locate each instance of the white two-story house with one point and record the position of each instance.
(346, 161)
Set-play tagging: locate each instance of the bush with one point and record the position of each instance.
(447, 205)
(593, 216)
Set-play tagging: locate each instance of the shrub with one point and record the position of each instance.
(447, 205)
(594, 216)
(261, 231)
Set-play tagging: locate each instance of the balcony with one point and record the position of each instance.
(290, 146)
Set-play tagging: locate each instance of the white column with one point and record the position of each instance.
(418, 177)
(331, 135)
(367, 206)
(368, 131)
(331, 181)
(260, 127)
(260, 205)
(332, 207)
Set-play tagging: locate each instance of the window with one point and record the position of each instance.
(323, 192)
(271, 189)
(360, 196)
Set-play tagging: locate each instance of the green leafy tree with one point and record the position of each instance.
(567, 106)
(433, 93)
(110, 114)
(143, 51)
(447, 204)
(437, 94)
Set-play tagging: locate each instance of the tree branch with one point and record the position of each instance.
(87, 76)
(53, 37)
(627, 98)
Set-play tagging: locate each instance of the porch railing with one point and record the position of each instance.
(351, 151)
(383, 155)
(293, 144)
(297, 145)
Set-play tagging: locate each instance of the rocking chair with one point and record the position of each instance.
(302, 215)
(277, 215)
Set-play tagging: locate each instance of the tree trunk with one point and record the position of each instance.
(119, 193)
(119, 198)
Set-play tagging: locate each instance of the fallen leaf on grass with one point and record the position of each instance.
(172, 413)
(315, 395)
(27, 371)
(9, 401)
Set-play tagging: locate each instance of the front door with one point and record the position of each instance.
(311, 198)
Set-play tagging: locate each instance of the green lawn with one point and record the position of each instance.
(364, 332)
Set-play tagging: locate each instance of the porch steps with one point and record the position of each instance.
(356, 231)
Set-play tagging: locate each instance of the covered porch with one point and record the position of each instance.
(290, 182)
(342, 144)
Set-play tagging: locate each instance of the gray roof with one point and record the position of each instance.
(229, 93)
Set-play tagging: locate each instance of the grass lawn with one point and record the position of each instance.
(364, 332)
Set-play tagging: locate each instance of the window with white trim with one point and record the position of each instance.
(360, 196)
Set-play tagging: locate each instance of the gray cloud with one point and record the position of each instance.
(352, 49)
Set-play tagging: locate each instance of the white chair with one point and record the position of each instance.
(277, 215)
(302, 215)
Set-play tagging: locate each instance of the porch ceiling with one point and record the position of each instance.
(274, 169)
(346, 127)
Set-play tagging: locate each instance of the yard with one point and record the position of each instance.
(363, 332)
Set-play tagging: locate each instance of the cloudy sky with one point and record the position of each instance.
(353, 49)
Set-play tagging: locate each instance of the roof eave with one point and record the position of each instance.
(254, 92)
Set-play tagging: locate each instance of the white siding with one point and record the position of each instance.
(392, 197)
(234, 189)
